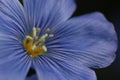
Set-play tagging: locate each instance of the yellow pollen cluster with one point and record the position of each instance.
(34, 44)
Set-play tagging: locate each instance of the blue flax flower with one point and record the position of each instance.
(41, 36)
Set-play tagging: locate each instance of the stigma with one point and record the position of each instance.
(35, 44)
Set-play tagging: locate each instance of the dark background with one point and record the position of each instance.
(110, 8)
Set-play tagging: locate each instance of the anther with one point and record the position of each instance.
(34, 32)
(48, 30)
(29, 37)
(44, 48)
(34, 44)
(51, 35)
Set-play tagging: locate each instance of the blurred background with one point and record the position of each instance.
(111, 9)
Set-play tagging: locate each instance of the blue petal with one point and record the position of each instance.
(15, 69)
(51, 69)
(89, 39)
(12, 17)
(13, 64)
(8, 46)
(48, 13)
(14, 61)
(10, 27)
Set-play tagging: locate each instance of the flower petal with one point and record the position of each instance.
(14, 61)
(14, 65)
(89, 39)
(12, 16)
(51, 69)
(44, 13)
(15, 69)
(8, 46)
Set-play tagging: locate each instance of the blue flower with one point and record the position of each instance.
(41, 36)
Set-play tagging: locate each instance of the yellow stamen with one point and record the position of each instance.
(34, 44)
(34, 32)
(51, 35)
(44, 48)
(48, 30)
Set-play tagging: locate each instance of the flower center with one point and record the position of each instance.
(34, 44)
